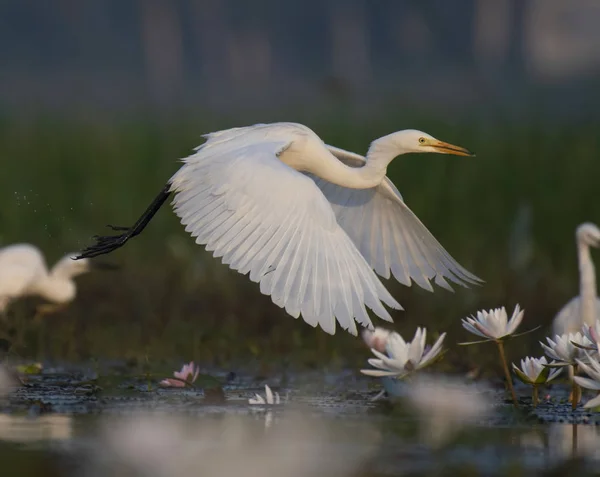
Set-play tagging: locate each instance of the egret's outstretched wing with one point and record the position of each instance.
(388, 234)
(263, 217)
(570, 319)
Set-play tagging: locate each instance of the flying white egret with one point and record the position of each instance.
(308, 221)
(584, 309)
(23, 272)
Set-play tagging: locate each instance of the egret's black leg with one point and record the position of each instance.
(108, 243)
(117, 228)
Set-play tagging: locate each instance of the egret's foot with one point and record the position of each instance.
(105, 244)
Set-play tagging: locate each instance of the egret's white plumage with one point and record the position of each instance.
(23, 272)
(308, 221)
(583, 309)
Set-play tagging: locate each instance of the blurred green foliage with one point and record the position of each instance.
(63, 179)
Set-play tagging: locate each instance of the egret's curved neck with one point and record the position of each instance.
(365, 177)
(587, 284)
(326, 166)
(381, 152)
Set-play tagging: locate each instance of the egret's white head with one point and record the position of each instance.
(588, 234)
(411, 140)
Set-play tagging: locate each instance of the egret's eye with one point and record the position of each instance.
(421, 140)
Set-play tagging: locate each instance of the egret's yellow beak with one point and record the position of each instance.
(446, 148)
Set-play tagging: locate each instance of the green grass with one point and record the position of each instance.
(63, 179)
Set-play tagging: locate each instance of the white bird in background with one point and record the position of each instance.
(23, 272)
(308, 221)
(584, 309)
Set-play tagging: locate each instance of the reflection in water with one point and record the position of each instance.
(564, 441)
(446, 405)
(254, 442)
(31, 429)
(168, 446)
(330, 435)
(572, 440)
(264, 415)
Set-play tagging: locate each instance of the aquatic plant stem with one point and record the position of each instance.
(506, 373)
(535, 398)
(575, 390)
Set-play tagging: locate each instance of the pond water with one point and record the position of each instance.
(71, 421)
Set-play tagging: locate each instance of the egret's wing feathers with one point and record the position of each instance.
(265, 218)
(389, 235)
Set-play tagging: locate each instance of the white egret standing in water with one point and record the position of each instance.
(23, 272)
(308, 221)
(584, 309)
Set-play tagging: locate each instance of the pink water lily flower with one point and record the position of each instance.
(189, 373)
(592, 333)
(376, 339)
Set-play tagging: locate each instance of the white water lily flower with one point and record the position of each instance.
(494, 324)
(592, 368)
(533, 371)
(270, 398)
(376, 339)
(402, 357)
(564, 351)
